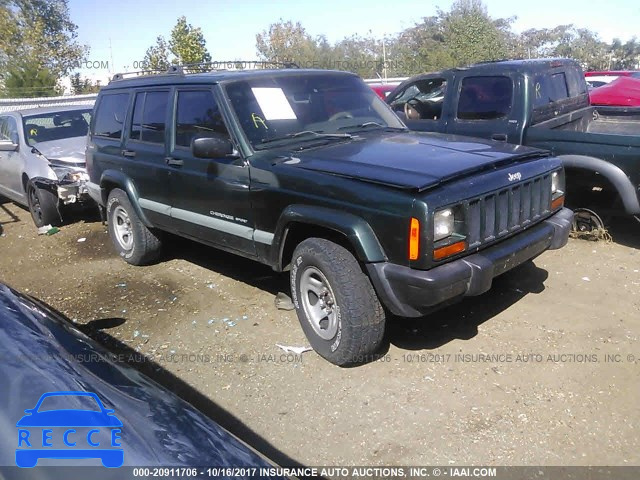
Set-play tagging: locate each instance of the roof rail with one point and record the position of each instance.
(141, 73)
(204, 67)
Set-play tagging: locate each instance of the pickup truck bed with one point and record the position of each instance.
(599, 120)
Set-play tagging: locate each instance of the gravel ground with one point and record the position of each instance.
(542, 370)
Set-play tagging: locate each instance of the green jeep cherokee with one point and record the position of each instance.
(308, 171)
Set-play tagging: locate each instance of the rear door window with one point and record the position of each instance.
(110, 115)
(149, 116)
(485, 98)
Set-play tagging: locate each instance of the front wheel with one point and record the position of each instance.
(336, 304)
(43, 206)
(135, 243)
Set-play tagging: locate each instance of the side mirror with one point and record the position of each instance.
(217, 146)
(8, 146)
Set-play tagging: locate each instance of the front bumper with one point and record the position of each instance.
(412, 293)
(68, 191)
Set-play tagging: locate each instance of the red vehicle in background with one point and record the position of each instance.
(382, 89)
(624, 91)
(614, 73)
(597, 79)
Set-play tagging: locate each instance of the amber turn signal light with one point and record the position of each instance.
(557, 202)
(414, 239)
(444, 252)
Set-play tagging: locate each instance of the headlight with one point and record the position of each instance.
(557, 183)
(443, 224)
(66, 173)
(557, 189)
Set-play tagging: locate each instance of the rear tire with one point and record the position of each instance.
(43, 206)
(336, 304)
(135, 243)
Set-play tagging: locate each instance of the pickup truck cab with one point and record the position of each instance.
(539, 103)
(310, 172)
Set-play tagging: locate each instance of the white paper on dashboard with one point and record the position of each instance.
(274, 104)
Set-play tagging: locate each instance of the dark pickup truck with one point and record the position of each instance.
(310, 172)
(539, 103)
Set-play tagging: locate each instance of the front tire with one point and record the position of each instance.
(336, 304)
(43, 206)
(135, 243)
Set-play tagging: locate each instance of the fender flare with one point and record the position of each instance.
(611, 172)
(357, 231)
(120, 180)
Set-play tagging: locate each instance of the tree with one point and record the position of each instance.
(157, 56)
(186, 45)
(624, 56)
(566, 41)
(29, 79)
(471, 34)
(289, 42)
(463, 35)
(586, 47)
(80, 86)
(39, 33)
(361, 55)
(420, 48)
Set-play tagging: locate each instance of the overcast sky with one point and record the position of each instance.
(120, 31)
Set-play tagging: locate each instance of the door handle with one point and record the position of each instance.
(174, 162)
(128, 153)
(500, 137)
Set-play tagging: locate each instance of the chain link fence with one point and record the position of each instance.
(11, 104)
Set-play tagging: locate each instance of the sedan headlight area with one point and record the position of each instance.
(69, 174)
(443, 224)
(557, 189)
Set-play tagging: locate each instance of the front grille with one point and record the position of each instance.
(500, 213)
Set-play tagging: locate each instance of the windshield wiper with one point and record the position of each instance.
(369, 125)
(305, 135)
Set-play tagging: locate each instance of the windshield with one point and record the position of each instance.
(295, 108)
(56, 125)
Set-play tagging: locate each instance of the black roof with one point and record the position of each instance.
(526, 65)
(213, 77)
(533, 65)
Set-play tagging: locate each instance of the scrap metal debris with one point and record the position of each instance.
(296, 350)
(593, 235)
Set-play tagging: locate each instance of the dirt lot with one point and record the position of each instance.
(518, 376)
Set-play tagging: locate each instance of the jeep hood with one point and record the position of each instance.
(412, 160)
(68, 150)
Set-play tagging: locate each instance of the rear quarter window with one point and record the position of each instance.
(549, 88)
(110, 115)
